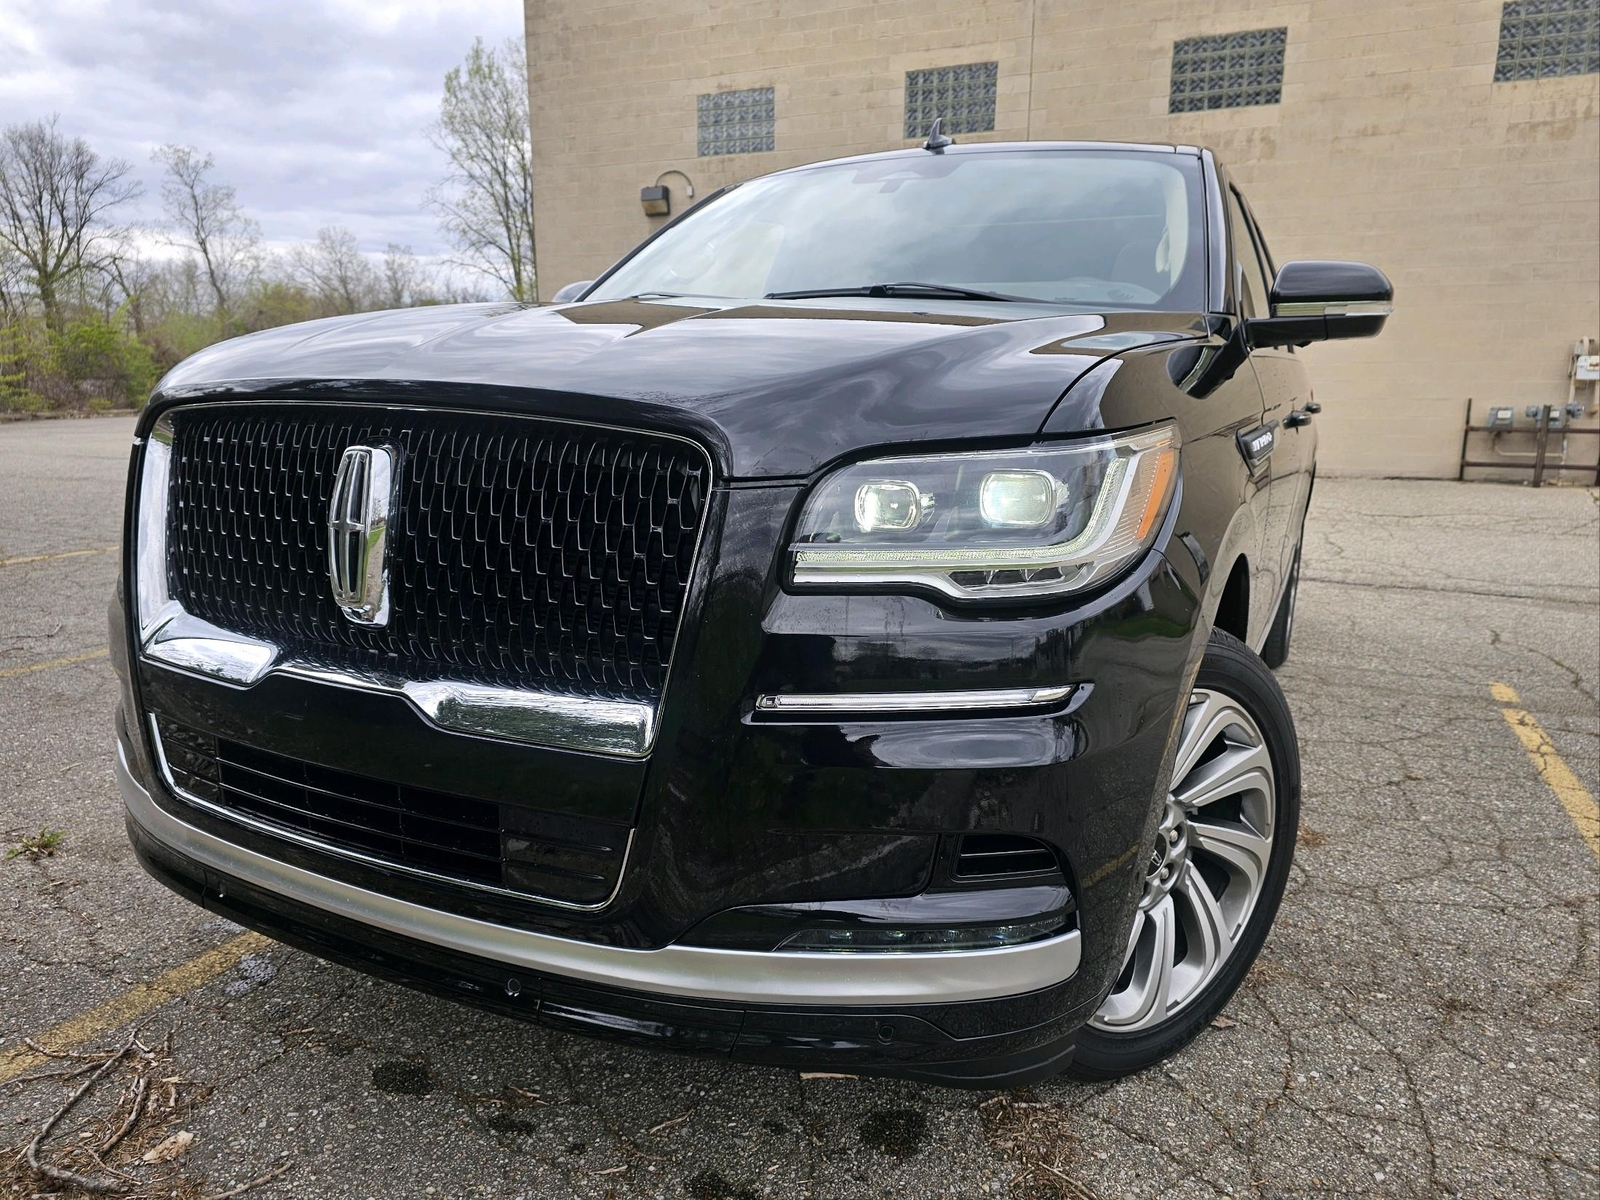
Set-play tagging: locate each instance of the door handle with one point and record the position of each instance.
(1300, 416)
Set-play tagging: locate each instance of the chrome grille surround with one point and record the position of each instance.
(505, 683)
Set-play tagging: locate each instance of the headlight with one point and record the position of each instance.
(1000, 524)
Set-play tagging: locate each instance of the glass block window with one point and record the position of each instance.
(741, 122)
(1540, 39)
(1228, 70)
(963, 96)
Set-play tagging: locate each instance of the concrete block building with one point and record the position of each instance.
(1454, 143)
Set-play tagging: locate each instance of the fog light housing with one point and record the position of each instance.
(889, 939)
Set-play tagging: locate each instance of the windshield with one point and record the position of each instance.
(1106, 229)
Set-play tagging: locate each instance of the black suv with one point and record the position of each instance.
(826, 639)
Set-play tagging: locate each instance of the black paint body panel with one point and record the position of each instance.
(731, 811)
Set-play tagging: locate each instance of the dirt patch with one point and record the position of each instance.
(897, 1132)
(713, 1185)
(504, 1122)
(1037, 1138)
(1311, 838)
(401, 1078)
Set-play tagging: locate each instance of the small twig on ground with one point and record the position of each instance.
(66, 1073)
(140, 1087)
(669, 1123)
(254, 1183)
(85, 1183)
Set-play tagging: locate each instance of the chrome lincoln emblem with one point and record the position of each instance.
(358, 533)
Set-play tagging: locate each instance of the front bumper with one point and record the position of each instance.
(694, 972)
(680, 997)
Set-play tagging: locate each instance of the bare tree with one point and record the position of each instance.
(205, 218)
(57, 197)
(485, 204)
(13, 283)
(139, 280)
(404, 278)
(334, 268)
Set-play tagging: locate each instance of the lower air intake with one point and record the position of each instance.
(988, 855)
(568, 860)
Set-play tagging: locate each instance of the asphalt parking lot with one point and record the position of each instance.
(1422, 1021)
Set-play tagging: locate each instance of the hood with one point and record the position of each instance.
(777, 390)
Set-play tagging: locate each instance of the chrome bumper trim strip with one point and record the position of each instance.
(621, 727)
(738, 976)
(835, 703)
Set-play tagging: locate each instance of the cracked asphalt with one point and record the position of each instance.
(1421, 1023)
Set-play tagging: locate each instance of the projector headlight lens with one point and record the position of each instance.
(990, 525)
(887, 504)
(1017, 499)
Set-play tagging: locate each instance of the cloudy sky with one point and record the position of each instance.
(314, 109)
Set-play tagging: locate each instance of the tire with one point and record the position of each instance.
(1234, 839)
(1275, 651)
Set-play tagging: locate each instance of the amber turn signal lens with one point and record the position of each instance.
(1161, 469)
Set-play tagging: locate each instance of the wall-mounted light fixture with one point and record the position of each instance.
(656, 200)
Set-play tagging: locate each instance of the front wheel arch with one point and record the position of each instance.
(1233, 608)
(1232, 670)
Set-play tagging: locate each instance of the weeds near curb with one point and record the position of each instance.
(38, 845)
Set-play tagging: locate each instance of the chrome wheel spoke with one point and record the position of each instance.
(1237, 769)
(1210, 934)
(1241, 849)
(1206, 718)
(1207, 868)
(1144, 1000)
(1133, 938)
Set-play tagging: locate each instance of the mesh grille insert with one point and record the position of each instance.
(546, 855)
(522, 553)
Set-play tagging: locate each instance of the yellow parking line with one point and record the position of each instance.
(28, 558)
(133, 1004)
(9, 672)
(1574, 797)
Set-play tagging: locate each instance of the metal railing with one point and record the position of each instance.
(1539, 463)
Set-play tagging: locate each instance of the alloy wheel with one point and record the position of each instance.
(1206, 870)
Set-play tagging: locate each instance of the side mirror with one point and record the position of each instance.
(1319, 301)
(571, 292)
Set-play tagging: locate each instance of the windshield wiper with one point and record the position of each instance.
(894, 289)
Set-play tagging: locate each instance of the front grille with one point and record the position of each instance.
(551, 856)
(987, 855)
(523, 553)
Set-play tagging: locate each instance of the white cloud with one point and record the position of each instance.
(314, 109)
